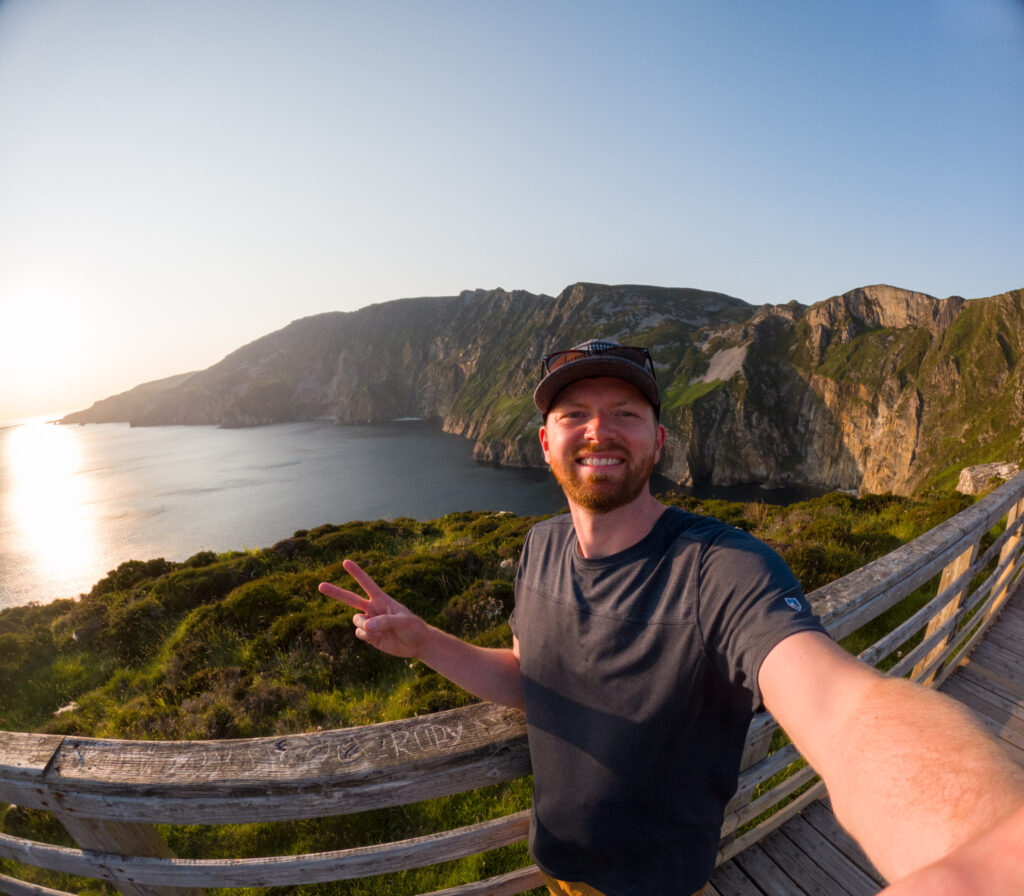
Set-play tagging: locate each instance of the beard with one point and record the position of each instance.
(601, 492)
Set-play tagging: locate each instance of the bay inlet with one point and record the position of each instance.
(76, 501)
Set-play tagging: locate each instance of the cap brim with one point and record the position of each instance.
(595, 366)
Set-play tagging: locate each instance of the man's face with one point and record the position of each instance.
(601, 440)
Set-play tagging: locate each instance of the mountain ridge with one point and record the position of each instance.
(879, 389)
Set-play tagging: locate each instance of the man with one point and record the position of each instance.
(645, 637)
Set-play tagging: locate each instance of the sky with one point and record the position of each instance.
(179, 178)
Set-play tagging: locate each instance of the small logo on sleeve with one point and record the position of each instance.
(793, 603)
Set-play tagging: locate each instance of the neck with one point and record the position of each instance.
(604, 534)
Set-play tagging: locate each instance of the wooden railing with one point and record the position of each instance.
(109, 794)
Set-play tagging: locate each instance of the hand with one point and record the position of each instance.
(382, 621)
(992, 863)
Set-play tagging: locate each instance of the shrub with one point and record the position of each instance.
(252, 607)
(82, 626)
(829, 529)
(425, 582)
(198, 561)
(361, 537)
(480, 607)
(136, 627)
(191, 587)
(431, 692)
(131, 573)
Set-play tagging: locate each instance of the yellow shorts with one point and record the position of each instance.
(578, 888)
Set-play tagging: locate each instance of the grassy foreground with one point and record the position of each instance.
(242, 644)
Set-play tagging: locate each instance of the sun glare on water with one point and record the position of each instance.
(47, 504)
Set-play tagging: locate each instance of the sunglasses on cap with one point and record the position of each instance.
(637, 355)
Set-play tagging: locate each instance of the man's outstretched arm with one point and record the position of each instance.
(489, 673)
(912, 774)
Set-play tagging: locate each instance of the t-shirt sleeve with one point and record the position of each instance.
(749, 601)
(513, 620)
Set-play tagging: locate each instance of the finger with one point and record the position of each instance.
(365, 581)
(346, 597)
(374, 624)
(371, 628)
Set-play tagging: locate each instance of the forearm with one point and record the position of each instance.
(488, 673)
(914, 776)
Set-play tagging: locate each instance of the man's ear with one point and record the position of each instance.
(659, 442)
(544, 444)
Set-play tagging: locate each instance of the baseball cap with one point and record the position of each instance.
(597, 357)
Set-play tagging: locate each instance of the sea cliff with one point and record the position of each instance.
(876, 390)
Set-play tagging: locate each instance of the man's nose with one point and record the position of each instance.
(597, 427)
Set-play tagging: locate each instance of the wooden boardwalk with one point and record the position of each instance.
(811, 854)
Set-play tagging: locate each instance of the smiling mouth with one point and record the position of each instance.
(599, 461)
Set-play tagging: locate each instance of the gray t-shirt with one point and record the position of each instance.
(640, 679)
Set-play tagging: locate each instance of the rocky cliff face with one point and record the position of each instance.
(877, 390)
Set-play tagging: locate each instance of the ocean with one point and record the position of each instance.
(76, 501)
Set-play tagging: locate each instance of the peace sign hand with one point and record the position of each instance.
(381, 621)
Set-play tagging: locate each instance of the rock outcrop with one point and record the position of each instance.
(977, 479)
(879, 389)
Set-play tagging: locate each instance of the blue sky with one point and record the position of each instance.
(179, 178)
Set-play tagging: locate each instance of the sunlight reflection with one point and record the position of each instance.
(49, 516)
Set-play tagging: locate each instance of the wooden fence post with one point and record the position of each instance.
(949, 575)
(124, 838)
(1007, 556)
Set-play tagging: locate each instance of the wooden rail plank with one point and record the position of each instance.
(1009, 555)
(125, 838)
(938, 613)
(503, 885)
(940, 633)
(846, 604)
(10, 886)
(280, 778)
(965, 650)
(345, 864)
(757, 774)
(955, 572)
(978, 632)
(763, 803)
(759, 738)
(733, 848)
(914, 658)
(24, 760)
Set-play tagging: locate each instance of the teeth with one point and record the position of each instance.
(599, 461)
